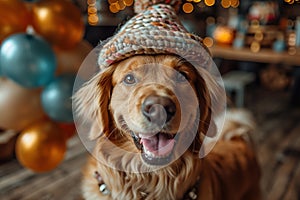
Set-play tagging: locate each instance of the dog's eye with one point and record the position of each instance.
(129, 79)
(181, 77)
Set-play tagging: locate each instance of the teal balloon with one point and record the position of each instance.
(56, 98)
(28, 60)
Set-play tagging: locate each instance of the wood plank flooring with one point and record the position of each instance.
(278, 147)
(278, 143)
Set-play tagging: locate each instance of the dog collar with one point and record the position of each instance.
(102, 186)
(191, 194)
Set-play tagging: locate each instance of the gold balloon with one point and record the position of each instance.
(14, 17)
(19, 107)
(41, 147)
(70, 60)
(59, 21)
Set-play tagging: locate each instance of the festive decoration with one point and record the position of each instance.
(28, 60)
(264, 12)
(238, 42)
(118, 5)
(208, 41)
(14, 17)
(56, 98)
(187, 7)
(69, 129)
(41, 147)
(19, 107)
(209, 2)
(223, 35)
(279, 44)
(92, 18)
(69, 61)
(58, 21)
(291, 42)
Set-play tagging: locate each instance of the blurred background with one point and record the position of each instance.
(255, 44)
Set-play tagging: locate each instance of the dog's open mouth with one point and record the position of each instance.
(156, 149)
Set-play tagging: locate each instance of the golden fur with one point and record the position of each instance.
(229, 172)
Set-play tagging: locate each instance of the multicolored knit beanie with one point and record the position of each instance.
(156, 29)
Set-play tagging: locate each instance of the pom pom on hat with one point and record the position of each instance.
(142, 5)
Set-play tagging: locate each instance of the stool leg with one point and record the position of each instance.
(239, 98)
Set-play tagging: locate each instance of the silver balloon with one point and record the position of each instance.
(28, 60)
(56, 98)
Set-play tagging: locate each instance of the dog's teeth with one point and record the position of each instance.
(151, 155)
(148, 153)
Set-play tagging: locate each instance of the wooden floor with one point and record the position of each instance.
(278, 145)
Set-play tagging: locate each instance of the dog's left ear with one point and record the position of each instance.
(92, 102)
(208, 93)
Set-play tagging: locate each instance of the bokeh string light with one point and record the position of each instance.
(226, 3)
(209, 2)
(290, 1)
(188, 5)
(92, 9)
(116, 6)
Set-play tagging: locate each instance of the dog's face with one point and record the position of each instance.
(159, 104)
(152, 100)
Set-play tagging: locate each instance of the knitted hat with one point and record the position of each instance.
(156, 29)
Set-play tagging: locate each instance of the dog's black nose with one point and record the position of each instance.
(158, 110)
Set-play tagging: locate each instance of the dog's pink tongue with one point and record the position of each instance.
(159, 144)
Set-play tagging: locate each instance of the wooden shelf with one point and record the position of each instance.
(263, 56)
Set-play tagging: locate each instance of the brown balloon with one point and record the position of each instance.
(58, 21)
(70, 60)
(14, 17)
(69, 129)
(19, 107)
(41, 147)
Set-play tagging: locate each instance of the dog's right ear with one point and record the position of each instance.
(92, 102)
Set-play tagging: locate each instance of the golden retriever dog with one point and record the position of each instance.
(150, 116)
